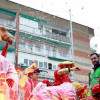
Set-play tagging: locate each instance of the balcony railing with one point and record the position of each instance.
(58, 37)
(45, 52)
(8, 25)
(35, 31)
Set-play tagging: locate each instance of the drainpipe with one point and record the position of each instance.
(17, 39)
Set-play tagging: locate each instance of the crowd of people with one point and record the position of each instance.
(19, 84)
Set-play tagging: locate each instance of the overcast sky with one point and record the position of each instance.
(85, 12)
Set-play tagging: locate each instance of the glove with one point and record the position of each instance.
(96, 89)
(10, 82)
(46, 81)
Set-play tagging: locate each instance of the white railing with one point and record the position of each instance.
(45, 52)
(8, 25)
(35, 31)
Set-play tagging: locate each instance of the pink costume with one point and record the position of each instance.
(29, 85)
(28, 88)
(7, 72)
(8, 75)
(59, 79)
(64, 91)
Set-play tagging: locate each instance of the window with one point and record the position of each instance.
(54, 67)
(26, 61)
(54, 53)
(38, 48)
(59, 53)
(30, 62)
(64, 54)
(50, 66)
(58, 32)
(47, 51)
(45, 65)
(36, 61)
(41, 64)
(40, 28)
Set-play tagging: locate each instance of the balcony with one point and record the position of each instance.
(44, 52)
(58, 37)
(44, 34)
(7, 21)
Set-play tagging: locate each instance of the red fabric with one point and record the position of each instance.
(19, 68)
(59, 79)
(29, 88)
(79, 93)
(91, 98)
(10, 82)
(46, 81)
(35, 83)
(96, 89)
(4, 52)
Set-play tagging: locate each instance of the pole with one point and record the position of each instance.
(72, 46)
(17, 39)
(71, 32)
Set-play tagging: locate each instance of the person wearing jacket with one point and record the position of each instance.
(95, 77)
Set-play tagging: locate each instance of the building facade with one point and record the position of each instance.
(46, 39)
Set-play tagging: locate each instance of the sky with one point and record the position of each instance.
(85, 12)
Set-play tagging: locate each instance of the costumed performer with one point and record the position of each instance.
(8, 75)
(29, 80)
(65, 91)
(61, 75)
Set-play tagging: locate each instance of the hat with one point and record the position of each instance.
(35, 70)
(18, 69)
(32, 66)
(66, 63)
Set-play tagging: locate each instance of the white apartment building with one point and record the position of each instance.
(40, 41)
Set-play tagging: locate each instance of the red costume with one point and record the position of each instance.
(59, 79)
(29, 84)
